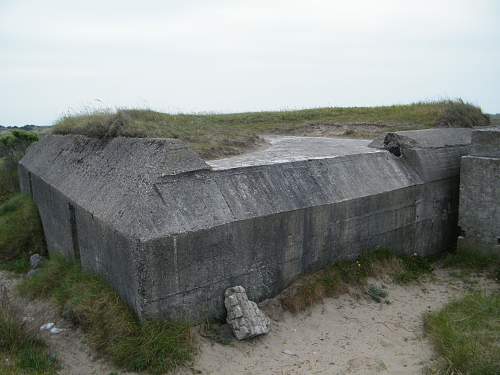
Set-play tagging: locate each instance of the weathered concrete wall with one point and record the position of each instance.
(170, 233)
(287, 219)
(434, 155)
(109, 185)
(480, 193)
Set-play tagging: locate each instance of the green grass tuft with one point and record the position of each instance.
(377, 294)
(110, 326)
(467, 334)
(20, 265)
(21, 232)
(219, 135)
(413, 268)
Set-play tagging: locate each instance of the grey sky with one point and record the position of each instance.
(59, 56)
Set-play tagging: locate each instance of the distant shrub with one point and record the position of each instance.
(13, 145)
(458, 114)
(9, 182)
(21, 232)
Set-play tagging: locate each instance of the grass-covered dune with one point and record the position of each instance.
(219, 135)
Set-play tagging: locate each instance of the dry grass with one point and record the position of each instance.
(342, 276)
(219, 135)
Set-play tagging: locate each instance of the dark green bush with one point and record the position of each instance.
(9, 181)
(13, 145)
(21, 232)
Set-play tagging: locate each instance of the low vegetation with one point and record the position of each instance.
(467, 334)
(338, 278)
(495, 119)
(13, 145)
(21, 233)
(467, 261)
(110, 326)
(219, 135)
(464, 115)
(9, 183)
(21, 350)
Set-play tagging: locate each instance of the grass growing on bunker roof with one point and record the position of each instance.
(219, 135)
(466, 333)
(109, 325)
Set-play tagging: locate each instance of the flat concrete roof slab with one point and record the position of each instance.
(286, 149)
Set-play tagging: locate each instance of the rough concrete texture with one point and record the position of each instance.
(171, 232)
(486, 142)
(480, 193)
(244, 316)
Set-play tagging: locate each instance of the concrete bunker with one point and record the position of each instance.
(480, 193)
(171, 231)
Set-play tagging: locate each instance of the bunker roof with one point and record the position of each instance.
(152, 188)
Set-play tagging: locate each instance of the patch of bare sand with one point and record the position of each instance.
(345, 335)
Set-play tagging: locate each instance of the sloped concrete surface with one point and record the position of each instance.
(171, 232)
(283, 149)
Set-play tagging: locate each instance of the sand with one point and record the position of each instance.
(351, 334)
(345, 335)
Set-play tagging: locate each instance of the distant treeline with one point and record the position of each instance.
(28, 128)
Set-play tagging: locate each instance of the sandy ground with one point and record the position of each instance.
(345, 335)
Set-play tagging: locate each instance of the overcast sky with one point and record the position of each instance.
(60, 56)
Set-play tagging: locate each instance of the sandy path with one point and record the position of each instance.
(344, 335)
